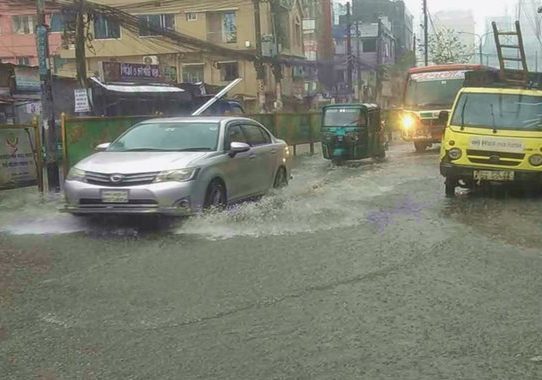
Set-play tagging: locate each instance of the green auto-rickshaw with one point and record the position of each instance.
(352, 132)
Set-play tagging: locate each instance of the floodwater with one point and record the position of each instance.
(360, 271)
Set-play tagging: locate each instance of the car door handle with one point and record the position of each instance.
(273, 151)
(252, 156)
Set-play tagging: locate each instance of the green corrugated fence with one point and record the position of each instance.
(80, 135)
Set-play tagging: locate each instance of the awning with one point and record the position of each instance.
(134, 88)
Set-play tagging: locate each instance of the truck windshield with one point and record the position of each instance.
(499, 111)
(347, 116)
(432, 89)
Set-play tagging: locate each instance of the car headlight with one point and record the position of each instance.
(535, 160)
(408, 121)
(455, 153)
(76, 175)
(178, 175)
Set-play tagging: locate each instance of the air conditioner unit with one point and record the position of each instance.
(150, 60)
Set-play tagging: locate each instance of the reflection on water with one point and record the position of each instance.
(508, 214)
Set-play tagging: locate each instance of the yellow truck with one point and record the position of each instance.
(492, 135)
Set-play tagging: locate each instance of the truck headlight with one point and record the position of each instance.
(408, 121)
(455, 153)
(76, 175)
(535, 160)
(178, 175)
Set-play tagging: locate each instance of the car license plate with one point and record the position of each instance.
(493, 175)
(115, 196)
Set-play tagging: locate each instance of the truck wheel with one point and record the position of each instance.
(420, 146)
(450, 186)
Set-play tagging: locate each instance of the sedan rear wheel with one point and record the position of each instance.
(216, 196)
(281, 178)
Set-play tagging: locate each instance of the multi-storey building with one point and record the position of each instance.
(228, 23)
(373, 49)
(18, 41)
(369, 11)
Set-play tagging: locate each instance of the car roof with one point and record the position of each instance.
(199, 119)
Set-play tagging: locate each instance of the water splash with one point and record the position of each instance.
(26, 212)
(305, 207)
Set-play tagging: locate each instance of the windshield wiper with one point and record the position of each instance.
(493, 118)
(202, 149)
(463, 115)
(145, 150)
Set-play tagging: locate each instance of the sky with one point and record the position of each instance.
(480, 8)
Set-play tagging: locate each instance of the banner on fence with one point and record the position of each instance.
(82, 134)
(17, 165)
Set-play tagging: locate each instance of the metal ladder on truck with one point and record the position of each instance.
(519, 75)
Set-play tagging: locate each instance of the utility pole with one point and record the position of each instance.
(380, 63)
(415, 52)
(276, 66)
(80, 53)
(325, 45)
(47, 107)
(481, 52)
(350, 67)
(358, 58)
(258, 63)
(425, 34)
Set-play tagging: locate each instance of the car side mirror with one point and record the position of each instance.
(443, 117)
(102, 147)
(238, 147)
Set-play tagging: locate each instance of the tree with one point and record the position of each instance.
(446, 47)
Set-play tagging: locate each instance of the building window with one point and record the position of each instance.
(24, 24)
(298, 32)
(193, 73)
(191, 16)
(105, 29)
(25, 61)
(57, 23)
(229, 27)
(369, 46)
(229, 71)
(150, 24)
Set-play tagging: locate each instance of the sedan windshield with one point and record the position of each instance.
(181, 136)
(499, 111)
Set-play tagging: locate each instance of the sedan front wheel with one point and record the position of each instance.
(216, 196)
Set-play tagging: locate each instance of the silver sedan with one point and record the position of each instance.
(178, 166)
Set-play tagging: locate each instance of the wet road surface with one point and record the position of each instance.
(363, 271)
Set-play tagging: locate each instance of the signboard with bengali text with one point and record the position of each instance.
(27, 79)
(17, 166)
(438, 75)
(137, 73)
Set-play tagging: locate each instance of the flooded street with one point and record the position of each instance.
(358, 271)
